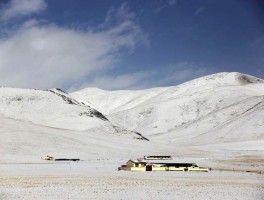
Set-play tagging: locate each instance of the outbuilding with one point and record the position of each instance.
(132, 165)
(140, 165)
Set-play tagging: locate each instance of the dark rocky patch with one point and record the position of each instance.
(246, 79)
(61, 90)
(90, 113)
(120, 129)
(141, 136)
(67, 99)
(95, 113)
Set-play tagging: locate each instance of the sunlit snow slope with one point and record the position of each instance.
(220, 108)
(218, 113)
(26, 142)
(54, 108)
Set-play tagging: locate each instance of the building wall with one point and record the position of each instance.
(176, 168)
(198, 169)
(130, 164)
(138, 168)
(158, 168)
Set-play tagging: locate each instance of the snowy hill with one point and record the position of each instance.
(54, 108)
(220, 108)
(222, 112)
(26, 142)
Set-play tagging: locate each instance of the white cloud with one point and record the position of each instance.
(44, 55)
(16, 8)
(164, 5)
(122, 13)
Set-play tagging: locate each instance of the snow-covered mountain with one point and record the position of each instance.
(54, 108)
(222, 112)
(220, 108)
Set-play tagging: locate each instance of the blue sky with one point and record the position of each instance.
(135, 44)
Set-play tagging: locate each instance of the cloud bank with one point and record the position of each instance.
(41, 54)
(44, 55)
(16, 8)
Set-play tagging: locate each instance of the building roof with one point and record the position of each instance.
(174, 164)
(137, 161)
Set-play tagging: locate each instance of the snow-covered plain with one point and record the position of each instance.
(216, 121)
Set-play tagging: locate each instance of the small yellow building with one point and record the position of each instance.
(47, 157)
(134, 166)
(150, 166)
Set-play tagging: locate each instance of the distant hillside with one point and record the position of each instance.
(217, 115)
(223, 107)
(54, 108)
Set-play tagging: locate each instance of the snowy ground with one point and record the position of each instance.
(99, 179)
(23, 175)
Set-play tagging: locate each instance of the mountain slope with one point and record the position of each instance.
(26, 142)
(55, 108)
(113, 101)
(224, 107)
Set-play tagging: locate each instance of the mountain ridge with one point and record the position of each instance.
(54, 108)
(212, 115)
(169, 113)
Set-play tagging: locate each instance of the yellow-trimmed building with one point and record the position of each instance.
(134, 166)
(138, 165)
